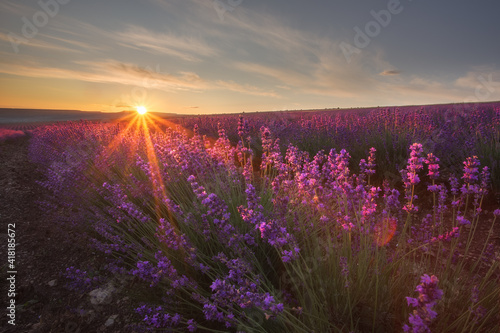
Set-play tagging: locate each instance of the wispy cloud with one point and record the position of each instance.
(75, 43)
(184, 47)
(251, 52)
(390, 72)
(36, 43)
(484, 75)
(110, 72)
(246, 89)
(115, 72)
(15, 8)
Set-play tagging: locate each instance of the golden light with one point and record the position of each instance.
(141, 109)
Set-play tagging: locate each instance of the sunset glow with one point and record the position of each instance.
(207, 57)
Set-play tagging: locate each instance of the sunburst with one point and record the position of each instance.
(141, 109)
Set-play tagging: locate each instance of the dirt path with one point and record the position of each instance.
(43, 251)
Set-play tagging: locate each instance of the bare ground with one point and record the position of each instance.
(44, 249)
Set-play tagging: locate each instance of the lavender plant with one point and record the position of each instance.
(299, 241)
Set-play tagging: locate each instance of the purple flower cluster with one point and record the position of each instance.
(370, 166)
(345, 271)
(172, 239)
(271, 154)
(163, 269)
(478, 311)
(239, 289)
(157, 317)
(80, 281)
(471, 170)
(216, 221)
(243, 128)
(271, 230)
(410, 176)
(432, 162)
(423, 315)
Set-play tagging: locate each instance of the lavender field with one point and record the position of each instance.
(374, 220)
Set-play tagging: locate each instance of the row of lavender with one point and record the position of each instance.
(299, 244)
(453, 132)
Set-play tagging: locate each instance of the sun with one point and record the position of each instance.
(141, 109)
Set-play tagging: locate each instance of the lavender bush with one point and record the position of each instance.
(249, 232)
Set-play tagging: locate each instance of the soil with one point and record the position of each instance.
(45, 248)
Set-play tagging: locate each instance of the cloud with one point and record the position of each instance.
(248, 52)
(246, 89)
(487, 76)
(390, 72)
(73, 42)
(15, 8)
(21, 42)
(114, 72)
(184, 47)
(111, 72)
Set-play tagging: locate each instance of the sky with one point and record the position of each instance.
(231, 56)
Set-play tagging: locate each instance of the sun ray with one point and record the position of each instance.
(153, 161)
(163, 121)
(116, 141)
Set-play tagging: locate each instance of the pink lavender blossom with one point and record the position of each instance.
(471, 170)
(432, 162)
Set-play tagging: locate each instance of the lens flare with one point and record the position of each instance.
(385, 230)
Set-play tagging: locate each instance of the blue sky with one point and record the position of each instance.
(211, 56)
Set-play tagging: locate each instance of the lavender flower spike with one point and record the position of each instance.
(428, 295)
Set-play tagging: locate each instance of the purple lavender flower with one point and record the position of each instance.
(345, 271)
(80, 280)
(410, 176)
(432, 162)
(371, 162)
(477, 311)
(423, 315)
(240, 287)
(271, 230)
(157, 317)
(462, 220)
(454, 185)
(471, 170)
(192, 326)
(485, 180)
(415, 162)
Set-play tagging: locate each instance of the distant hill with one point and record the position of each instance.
(16, 116)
